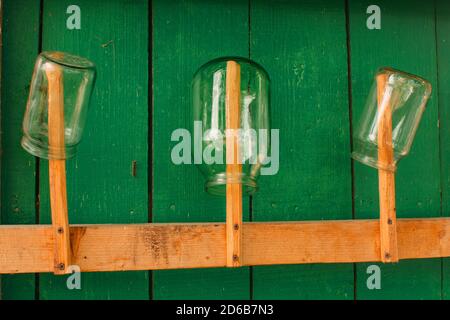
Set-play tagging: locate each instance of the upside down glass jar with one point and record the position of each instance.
(231, 103)
(57, 105)
(390, 119)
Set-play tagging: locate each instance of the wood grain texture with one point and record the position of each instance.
(18, 167)
(57, 170)
(198, 245)
(233, 169)
(187, 34)
(443, 53)
(386, 179)
(60, 218)
(406, 42)
(114, 35)
(302, 45)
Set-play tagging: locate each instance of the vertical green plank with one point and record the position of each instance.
(406, 41)
(1, 42)
(303, 47)
(101, 187)
(187, 34)
(20, 43)
(443, 54)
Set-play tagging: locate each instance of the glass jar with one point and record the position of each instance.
(390, 119)
(55, 115)
(217, 121)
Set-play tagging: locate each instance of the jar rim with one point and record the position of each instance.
(68, 59)
(42, 150)
(216, 184)
(233, 58)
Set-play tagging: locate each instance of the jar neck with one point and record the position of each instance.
(216, 184)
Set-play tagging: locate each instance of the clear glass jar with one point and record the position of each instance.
(390, 119)
(68, 81)
(211, 126)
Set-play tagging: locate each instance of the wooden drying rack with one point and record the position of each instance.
(120, 247)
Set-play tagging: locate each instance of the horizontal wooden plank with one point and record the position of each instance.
(25, 249)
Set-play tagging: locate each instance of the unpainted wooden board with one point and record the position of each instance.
(171, 246)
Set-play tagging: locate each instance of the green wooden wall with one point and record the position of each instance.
(321, 58)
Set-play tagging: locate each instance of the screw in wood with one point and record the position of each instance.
(389, 221)
(236, 227)
(235, 257)
(60, 230)
(61, 266)
(387, 255)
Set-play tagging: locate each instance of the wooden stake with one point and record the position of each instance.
(57, 171)
(234, 168)
(386, 179)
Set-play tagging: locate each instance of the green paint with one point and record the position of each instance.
(217, 283)
(303, 47)
(420, 278)
(443, 54)
(187, 34)
(18, 167)
(406, 41)
(101, 188)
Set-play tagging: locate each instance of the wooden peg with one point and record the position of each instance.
(57, 171)
(234, 168)
(386, 178)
